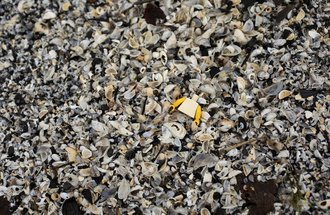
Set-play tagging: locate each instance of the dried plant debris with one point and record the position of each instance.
(305, 93)
(259, 196)
(282, 14)
(86, 89)
(152, 13)
(4, 206)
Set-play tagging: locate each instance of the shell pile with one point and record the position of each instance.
(86, 87)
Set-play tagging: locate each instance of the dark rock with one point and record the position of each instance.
(71, 207)
(11, 151)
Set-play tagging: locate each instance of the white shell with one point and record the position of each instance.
(120, 128)
(259, 20)
(248, 26)
(286, 57)
(124, 189)
(279, 125)
(308, 114)
(313, 34)
(167, 91)
(209, 89)
(279, 42)
(151, 106)
(176, 129)
(284, 154)
(49, 15)
(73, 179)
(247, 170)
(99, 39)
(257, 121)
(86, 172)
(171, 42)
(241, 84)
(149, 168)
(207, 177)
(231, 50)
(85, 153)
(101, 128)
(240, 37)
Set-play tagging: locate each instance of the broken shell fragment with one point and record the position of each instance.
(284, 94)
(205, 211)
(149, 168)
(240, 37)
(72, 154)
(226, 125)
(325, 204)
(231, 50)
(275, 145)
(86, 153)
(151, 106)
(247, 170)
(241, 84)
(274, 89)
(66, 6)
(49, 15)
(124, 189)
(176, 129)
(248, 26)
(300, 16)
(133, 43)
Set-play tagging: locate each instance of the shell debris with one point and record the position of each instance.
(86, 89)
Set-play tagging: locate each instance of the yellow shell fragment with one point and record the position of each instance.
(55, 196)
(300, 15)
(66, 6)
(108, 92)
(284, 94)
(133, 43)
(72, 154)
(292, 36)
(241, 84)
(236, 2)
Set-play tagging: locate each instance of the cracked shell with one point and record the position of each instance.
(176, 129)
